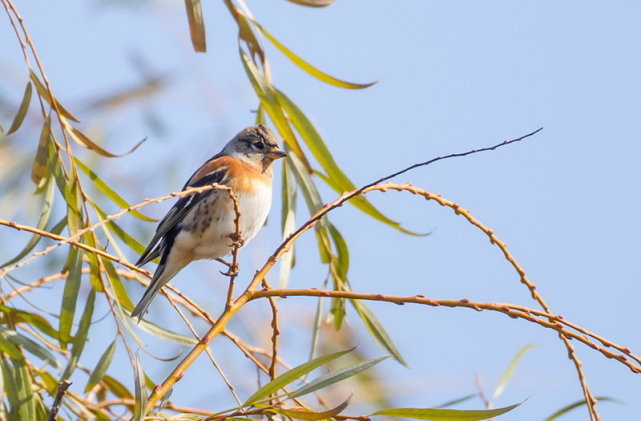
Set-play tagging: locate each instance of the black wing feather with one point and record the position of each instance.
(176, 214)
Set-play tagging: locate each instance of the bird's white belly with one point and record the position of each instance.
(208, 236)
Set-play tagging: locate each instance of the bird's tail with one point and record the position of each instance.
(161, 277)
(143, 304)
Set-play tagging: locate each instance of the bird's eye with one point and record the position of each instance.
(258, 145)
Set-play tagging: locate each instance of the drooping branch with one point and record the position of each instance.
(218, 326)
(546, 320)
(260, 275)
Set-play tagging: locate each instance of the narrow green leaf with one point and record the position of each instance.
(260, 115)
(26, 410)
(101, 415)
(45, 216)
(22, 110)
(44, 94)
(377, 330)
(70, 295)
(336, 178)
(42, 410)
(160, 332)
(122, 297)
(61, 181)
(292, 375)
(13, 316)
(314, 203)
(309, 190)
(339, 266)
(33, 347)
(576, 405)
(130, 241)
(116, 387)
(322, 239)
(457, 400)
(337, 310)
(49, 381)
(123, 302)
(139, 387)
(341, 249)
(84, 140)
(444, 414)
(41, 159)
(80, 337)
(74, 206)
(265, 93)
(2, 390)
(9, 348)
(149, 384)
(307, 67)
(335, 377)
(10, 385)
(246, 33)
(51, 162)
(317, 324)
(313, 3)
(95, 271)
(509, 371)
(108, 191)
(196, 25)
(307, 414)
(101, 367)
(288, 222)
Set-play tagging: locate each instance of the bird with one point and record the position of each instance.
(201, 225)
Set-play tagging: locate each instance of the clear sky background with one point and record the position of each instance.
(453, 76)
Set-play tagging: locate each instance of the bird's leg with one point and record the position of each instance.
(232, 270)
(237, 241)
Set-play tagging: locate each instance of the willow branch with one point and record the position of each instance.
(510, 310)
(260, 275)
(589, 398)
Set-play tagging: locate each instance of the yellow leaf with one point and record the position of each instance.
(196, 25)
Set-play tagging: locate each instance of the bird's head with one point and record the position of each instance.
(256, 145)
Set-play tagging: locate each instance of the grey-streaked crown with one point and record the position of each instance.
(253, 144)
(258, 133)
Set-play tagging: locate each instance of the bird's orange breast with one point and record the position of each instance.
(240, 176)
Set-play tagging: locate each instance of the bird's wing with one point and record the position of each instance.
(179, 210)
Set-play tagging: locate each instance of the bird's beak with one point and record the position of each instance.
(276, 154)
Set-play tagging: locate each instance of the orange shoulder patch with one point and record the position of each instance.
(241, 176)
(216, 164)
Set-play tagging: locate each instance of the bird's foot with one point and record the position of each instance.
(231, 272)
(232, 269)
(237, 241)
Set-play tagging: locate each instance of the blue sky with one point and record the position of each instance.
(453, 75)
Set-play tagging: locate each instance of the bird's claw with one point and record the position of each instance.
(237, 241)
(232, 271)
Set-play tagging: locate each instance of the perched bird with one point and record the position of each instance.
(201, 225)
